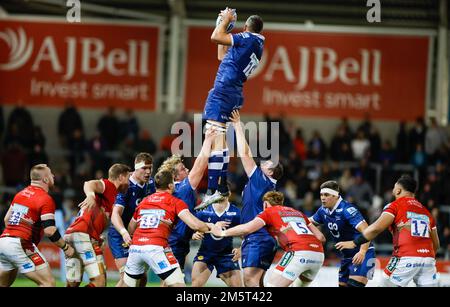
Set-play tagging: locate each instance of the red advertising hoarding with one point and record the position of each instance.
(322, 74)
(47, 62)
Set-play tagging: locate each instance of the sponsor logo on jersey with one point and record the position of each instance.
(143, 239)
(339, 210)
(423, 251)
(352, 210)
(231, 213)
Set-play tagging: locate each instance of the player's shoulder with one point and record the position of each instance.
(348, 208)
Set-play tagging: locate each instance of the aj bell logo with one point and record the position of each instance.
(96, 57)
(20, 48)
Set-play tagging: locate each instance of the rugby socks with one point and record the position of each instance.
(223, 186)
(215, 163)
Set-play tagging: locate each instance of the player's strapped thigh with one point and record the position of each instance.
(20, 254)
(219, 127)
(87, 255)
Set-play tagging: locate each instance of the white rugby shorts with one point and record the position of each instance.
(158, 258)
(400, 272)
(16, 253)
(293, 264)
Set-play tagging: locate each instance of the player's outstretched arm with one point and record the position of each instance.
(90, 189)
(193, 222)
(239, 230)
(242, 146)
(370, 232)
(201, 163)
(317, 233)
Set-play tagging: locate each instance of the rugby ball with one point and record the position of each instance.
(232, 22)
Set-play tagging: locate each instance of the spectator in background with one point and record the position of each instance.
(109, 128)
(402, 149)
(145, 143)
(129, 126)
(14, 165)
(387, 153)
(419, 157)
(69, 123)
(375, 144)
(346, 180)
(366, 125)
(360, 193)
(97, 147)
(434, 139)
(360, 145)
(299, 144)
(340, 145)
(417, 134)
(21, 124)
(348, 132)
(317, 149)
(307, 205)
(77, 147)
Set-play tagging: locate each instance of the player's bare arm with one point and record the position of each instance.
(116, 219)
(242, 145)
(201, 162)
(317, 233)
(370, 232)
(50, 231)
(193, 222)
(90, 189)
(132, 226)
(359, 256)
(220, 35)
(239, 230)
(435, 239)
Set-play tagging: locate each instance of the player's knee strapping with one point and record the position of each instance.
(132, 280)
(174, 277)
(355, 284)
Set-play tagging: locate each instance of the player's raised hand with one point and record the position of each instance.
(359, 257)
(88, 203)
(345, 245)
(235, 117)
(211, 133)
(197, 236)
(236, 254)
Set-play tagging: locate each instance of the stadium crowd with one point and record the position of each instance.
(364, 163)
